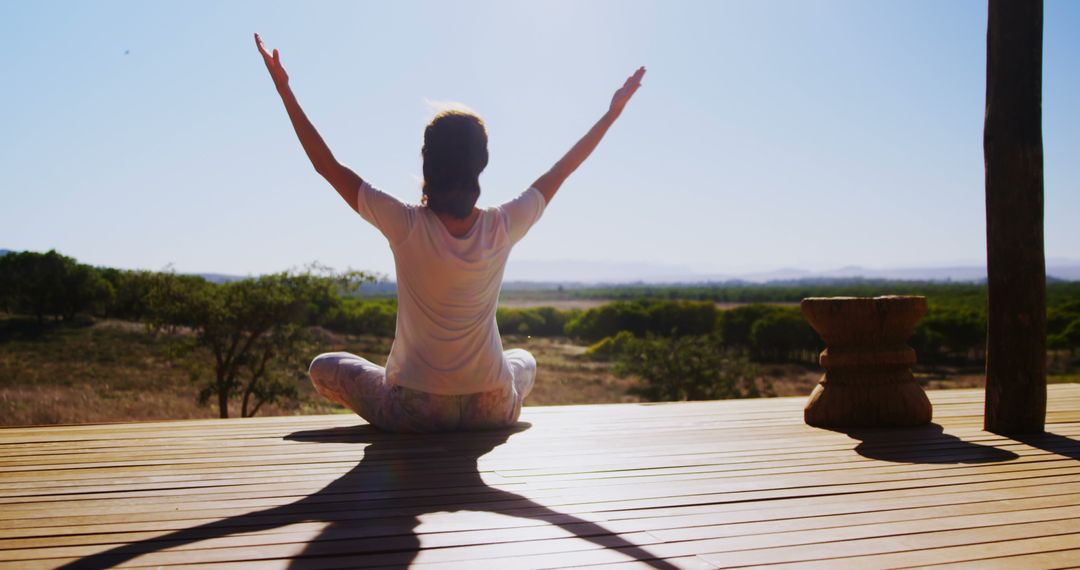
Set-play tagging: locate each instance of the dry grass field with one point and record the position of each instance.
(105, 372)
(112, 371)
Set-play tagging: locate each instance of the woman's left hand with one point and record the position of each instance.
(619, 100)
(273, 64)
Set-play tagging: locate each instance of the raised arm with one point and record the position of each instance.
(549, 183)
(344, 180)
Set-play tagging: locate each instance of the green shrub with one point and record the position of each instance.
(376, 317)
(1068, 338)
(610, 347)
(689, 368)
(519, 321)
(608, 320)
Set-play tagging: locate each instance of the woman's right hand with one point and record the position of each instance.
(273, 64)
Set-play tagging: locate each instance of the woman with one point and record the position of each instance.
(447, 369)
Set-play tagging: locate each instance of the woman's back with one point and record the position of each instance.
(447, 341)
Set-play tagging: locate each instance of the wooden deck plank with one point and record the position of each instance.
(509, 466)
(687, 527)
(1031, 553)
(178, 453)
(598, 499)
(607, 491)
(286, 484)
(702, 484)
(737, 513)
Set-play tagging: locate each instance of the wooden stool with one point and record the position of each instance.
(867, 380)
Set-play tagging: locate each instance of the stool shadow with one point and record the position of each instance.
(922, 444)
(372, 511)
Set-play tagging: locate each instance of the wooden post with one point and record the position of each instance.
(1016, 267)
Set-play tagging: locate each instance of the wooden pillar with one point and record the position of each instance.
(1016, 267)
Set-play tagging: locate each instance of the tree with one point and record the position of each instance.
(132, 291)
(782, 334)
(31, 281)
(254, 326)
(52, 284)
(677, 318)
(735, 325)
(173, 301)
(608, 319)
(276, 363)
(927, 343)
(81, 289)
(960, 332)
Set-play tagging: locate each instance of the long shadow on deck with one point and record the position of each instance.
(373, 510)
(923, 444)
(1052, 442)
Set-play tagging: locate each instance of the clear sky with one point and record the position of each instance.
(809, 134)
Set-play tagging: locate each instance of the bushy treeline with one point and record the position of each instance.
(690, 350)
(52, 285)
(363, 316)
(765, 332)
(643, 316)
(950, 334)
(255, 334)
(953, 330)
(252, 336)
(534, 321)
(964, 295)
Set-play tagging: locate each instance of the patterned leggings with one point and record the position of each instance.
(361, 386)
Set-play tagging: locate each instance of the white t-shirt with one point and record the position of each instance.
(446, 340)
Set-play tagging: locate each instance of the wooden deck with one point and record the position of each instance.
(707, 484)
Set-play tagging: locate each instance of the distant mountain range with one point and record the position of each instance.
(523, 275)
(615, 273)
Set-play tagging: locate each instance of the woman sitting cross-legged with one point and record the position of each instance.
(447, 369)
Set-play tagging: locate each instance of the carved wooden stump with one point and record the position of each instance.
(867, 380)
